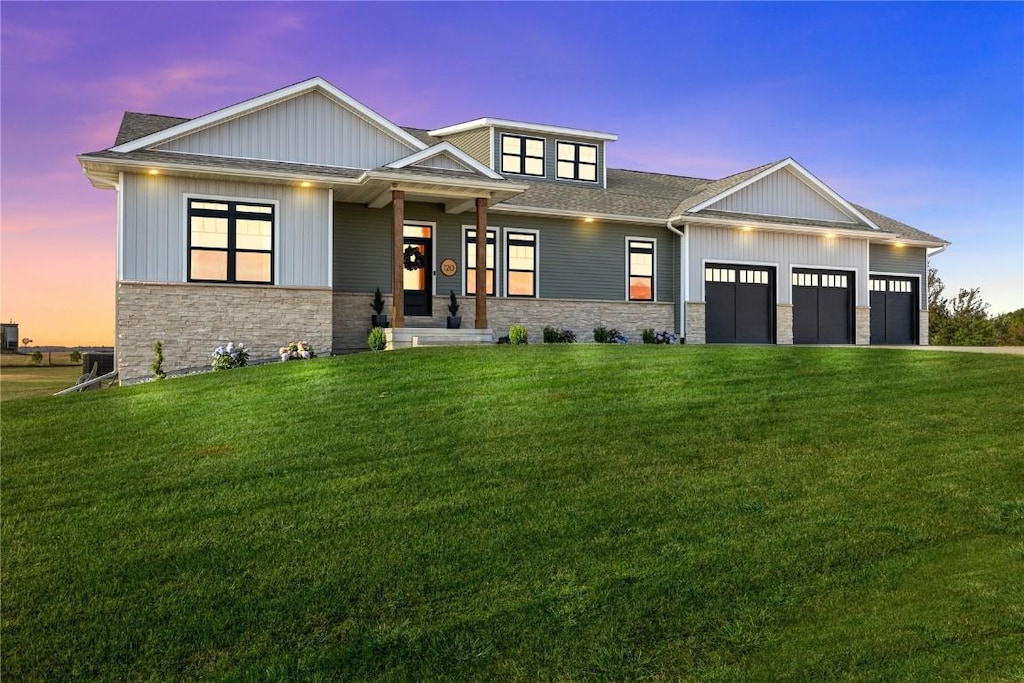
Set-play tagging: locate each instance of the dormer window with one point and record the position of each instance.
(522, 155)
(577, 161)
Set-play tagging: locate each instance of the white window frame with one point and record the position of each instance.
(504, 261)
(654, 268)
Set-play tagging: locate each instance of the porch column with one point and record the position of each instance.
(481, 263)
(397, 264)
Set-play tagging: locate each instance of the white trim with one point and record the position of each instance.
(684, 276)
(232, 172)
(276, 247)
(612, 218)
(536, 261)
(267, 100)
(733, 262)
(821, 188)
(604, 165)
(882, 238)
(330, 237)
(654, 268)
(490, 152)
(120, 225)
(597, 162)
(445, 148)
(412, 222)
(462, 257)
(520, 125)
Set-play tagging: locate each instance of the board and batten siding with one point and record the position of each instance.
(577, 260)
(731, 245)
(476, 143)
(155, 239)
(310, 129)
(550, 156)
(887, 258)
(781, 194)
(443, 161)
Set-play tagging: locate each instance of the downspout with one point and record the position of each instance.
(684, 244)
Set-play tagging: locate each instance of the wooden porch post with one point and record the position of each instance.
(397, 264)
(481, 263)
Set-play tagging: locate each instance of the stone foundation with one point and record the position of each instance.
(695, 325)
(862, 329)
(191, 320)
(922, 334)
(784, 323)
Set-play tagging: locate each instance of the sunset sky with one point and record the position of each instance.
(915, 110)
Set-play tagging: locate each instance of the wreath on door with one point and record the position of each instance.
(413, 258)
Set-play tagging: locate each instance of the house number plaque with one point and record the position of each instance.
(448, 267)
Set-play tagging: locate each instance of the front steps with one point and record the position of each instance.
(411, 337)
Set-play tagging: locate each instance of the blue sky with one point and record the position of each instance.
(915, 110)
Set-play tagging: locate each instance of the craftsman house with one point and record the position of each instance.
(276, 219)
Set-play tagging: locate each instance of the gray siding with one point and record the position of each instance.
(782, 194)
(576, 260)
(886, 258)
(309, 129)
(475, 143)
(155, 240)
(729, 245)
(550, 156)
(443, 161)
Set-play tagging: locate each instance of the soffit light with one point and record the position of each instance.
(153, 171)
(306, 183)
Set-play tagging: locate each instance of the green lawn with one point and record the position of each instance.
(540, 513)
(25, 381)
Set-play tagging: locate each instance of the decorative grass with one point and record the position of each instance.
(538, 513)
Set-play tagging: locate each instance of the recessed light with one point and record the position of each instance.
(746, 228)
(306, 183)
(830, 235)
(588, 219)
(153, 171)
(899, 245)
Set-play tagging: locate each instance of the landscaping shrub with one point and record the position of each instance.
(648, 335)
(296, 350)
(606, 336)
(555, 336)
(665, 337)
(517, 334)
(230, 356)
(377, 340)
(158, 360)
(37, 357)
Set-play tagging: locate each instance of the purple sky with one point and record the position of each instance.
(915, 110)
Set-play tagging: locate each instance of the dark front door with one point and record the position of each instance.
(893, 310)
(822, 307)
(739, 304)
(418, 274)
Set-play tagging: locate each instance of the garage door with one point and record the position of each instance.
(740, 304)
(822, 307)
(893, 310)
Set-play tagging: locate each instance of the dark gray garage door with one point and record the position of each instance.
(740, 304)
(822, 307)
(893, 310)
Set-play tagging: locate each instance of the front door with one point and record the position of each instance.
(418, 272)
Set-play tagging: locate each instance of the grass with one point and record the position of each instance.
(525, 513)
(28, 381)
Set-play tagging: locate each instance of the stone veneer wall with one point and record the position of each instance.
(191, 320)
(784, 323)
(922, 330)
(352, 317)
(695, 324)
(862, 329)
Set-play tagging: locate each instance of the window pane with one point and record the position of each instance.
(510, 144)
(209, 232)
(250, 208)
(252, 267)
(510, 164)
(588, 154)
(534, 167)
(640, 288)
(588, 172)
(641, 264)
(209, 265)
(535, 148)
(214, 206)
(414, 279)
(416, 231)
(566, 169)
(251, 234)
(471, 281)
(520, 258)
(566, 152)
(520, 284)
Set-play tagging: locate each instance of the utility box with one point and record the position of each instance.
(105, 359)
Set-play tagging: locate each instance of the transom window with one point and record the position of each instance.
(521, 263)
(905, 286)
(641, 269)
(577, 161)
(522, 155)
(719, 275)
(230, 241)
(492, 240)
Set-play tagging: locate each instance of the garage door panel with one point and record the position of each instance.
(822, 306)
(893, 310)
(720, 312)
(739, 304)
(805, 315)
(753, 314)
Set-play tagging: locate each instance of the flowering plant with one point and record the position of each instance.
(665, 337)
(230, 356)
(296, 350)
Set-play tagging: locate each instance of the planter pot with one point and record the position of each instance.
(454, 322)
(382, 320)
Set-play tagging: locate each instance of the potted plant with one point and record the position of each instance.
(454, 320)
(379, 317)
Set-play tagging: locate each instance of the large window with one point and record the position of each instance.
(521, 263)
(577, 161)
(492, 240)
(522, 155)
(640, 257)
(230, 242)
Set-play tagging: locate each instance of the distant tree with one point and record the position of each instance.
(961, 321)
(1010, 328)
(76, 356)
(37, 357)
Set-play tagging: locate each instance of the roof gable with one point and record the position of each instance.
(445, 156)
(310, 122)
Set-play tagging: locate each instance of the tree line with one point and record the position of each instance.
(963, 320)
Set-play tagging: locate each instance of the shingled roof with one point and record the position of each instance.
(135, 125)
